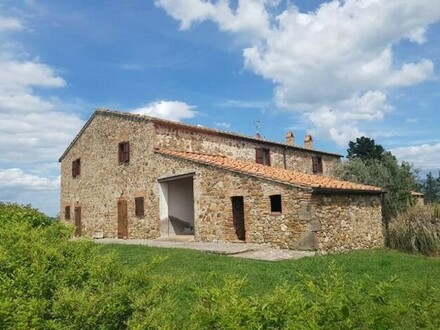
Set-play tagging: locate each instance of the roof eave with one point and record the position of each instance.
(321, 190)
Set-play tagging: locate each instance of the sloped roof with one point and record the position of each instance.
(189, 127)
(315, 182)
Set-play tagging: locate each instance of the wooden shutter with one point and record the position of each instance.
(78, 166)
(267, 156)
(259, 157)
(124, 152)
(317, 164)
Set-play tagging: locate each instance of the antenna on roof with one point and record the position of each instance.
(257, 124)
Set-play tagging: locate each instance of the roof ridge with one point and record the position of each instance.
(215, 130)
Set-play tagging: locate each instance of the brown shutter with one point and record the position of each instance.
(259, 158)
(73, 168)
(317, 164)
(268, 156)
(126, 152)
(120, 152)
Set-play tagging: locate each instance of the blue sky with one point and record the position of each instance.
(336, 70)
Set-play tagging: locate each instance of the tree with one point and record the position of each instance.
(431, 188)
(370, 164)
(365, 149)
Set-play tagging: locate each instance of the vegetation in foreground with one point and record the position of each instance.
(48, 281)
(417, 230)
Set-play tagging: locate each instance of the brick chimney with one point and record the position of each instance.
(290, 138)
(258, 136)
(308, 142)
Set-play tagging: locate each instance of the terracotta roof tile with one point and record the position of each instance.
(316, 182)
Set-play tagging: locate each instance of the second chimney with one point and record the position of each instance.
(308, 142)
(290, 138)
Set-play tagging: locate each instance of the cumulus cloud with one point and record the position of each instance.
(10, 24)
(424, 157)
(339, 57)
(34, 130)
(250, 17)
(171, 110)
(16, 177)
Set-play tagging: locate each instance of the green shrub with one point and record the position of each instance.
(329, 301)
(417, 230)
(48, 281)
(11, 212)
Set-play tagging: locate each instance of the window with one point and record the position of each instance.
(139, 206)
(76, 167)
(262, 156)
(67, 213)
(317, 164)
(124, 152)
(275, 203)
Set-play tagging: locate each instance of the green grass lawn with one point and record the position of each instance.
(194, 269)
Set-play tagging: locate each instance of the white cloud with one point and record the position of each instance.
(338, 57)
(223, 125)
(244, 104)
(425, 156)
(16, 177)
(10, 24)
(34, 130)
(250, 17)
(171, 110)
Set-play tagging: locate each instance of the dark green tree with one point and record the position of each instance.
(431, 188)
(365, 149)
(370, 164)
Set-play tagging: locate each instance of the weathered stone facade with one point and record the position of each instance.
(307, 220)
(283, 156)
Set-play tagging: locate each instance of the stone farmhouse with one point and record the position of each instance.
(135, 176)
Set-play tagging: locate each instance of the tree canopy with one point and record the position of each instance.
(365, 149)
(369, 163)
(431, 188)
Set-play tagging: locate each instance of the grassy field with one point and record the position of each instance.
(195, 269)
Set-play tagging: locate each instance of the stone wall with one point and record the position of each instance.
(327, 223)
(348, 222)
(213, 189)
(308, 221)
(186, 139)
(103, 181)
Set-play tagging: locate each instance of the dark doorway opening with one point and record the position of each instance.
(238, 217)
(122, 219)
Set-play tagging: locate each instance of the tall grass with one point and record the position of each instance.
(417, 230)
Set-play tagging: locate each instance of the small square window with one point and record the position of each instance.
(317, 164)
(275, 203)
(76, 167)
(124, 152)
(139, 206)
(67, 213)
